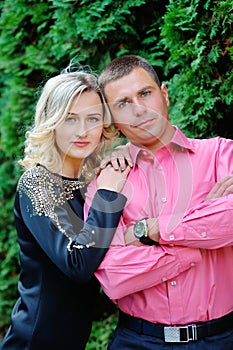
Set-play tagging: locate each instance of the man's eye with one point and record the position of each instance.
(123, 104)
(145, 93)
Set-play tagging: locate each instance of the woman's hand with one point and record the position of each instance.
(119, 158)
(112, 180)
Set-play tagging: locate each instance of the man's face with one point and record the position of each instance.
(140, 109)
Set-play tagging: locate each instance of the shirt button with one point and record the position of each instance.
(93, 232)
(171, 237)
(164, 199)
(159, 168)
(173, 283)
(192, 264)
(164, 279)
(203, 234)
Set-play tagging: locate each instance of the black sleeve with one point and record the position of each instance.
(76, 248)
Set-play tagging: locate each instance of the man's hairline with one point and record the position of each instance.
(124, 75)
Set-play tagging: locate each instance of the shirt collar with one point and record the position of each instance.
(179, 142)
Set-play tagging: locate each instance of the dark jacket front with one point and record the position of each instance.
(58, 254)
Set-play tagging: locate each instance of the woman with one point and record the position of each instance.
(58, 252)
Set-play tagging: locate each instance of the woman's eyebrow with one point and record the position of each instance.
(71, 113)
(91, 113)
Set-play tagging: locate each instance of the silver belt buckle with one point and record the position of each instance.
(172, 334)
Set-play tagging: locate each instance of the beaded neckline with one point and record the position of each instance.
(67, 184)
(46, 192)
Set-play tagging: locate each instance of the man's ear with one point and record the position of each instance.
(165, 94)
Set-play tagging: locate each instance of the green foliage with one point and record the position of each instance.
(198, 35)
(101, 333)
(8, 242)
(188, 42)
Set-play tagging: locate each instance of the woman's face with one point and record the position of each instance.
(80, 133)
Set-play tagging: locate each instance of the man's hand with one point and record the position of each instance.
(222, 188)
(153, 231)
(130, 239)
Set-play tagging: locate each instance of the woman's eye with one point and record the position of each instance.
(70, 119)
(94, 120)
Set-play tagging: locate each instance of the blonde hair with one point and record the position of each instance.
(51, 110)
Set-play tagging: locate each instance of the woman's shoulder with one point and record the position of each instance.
(42, 188)
(34, 176)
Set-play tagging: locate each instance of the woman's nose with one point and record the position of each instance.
(81, 129)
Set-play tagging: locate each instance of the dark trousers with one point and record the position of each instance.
(125, 339)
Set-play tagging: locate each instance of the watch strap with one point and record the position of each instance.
(147, 240)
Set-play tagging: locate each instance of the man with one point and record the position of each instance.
(177, 292)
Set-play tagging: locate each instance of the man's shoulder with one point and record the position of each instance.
(217, 140)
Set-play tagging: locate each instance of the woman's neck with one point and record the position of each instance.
(72, 169)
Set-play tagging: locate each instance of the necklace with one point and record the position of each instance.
(71, 185)
(47, 192)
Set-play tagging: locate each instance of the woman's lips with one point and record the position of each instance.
(81, 144)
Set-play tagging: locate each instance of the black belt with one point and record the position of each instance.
(179, 333)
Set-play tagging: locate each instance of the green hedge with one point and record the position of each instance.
(188, 42)
(198, 35)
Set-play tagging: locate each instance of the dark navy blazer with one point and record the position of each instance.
(59, 255)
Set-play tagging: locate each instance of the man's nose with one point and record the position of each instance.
(138, 108)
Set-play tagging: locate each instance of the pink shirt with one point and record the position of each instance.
(175, 283)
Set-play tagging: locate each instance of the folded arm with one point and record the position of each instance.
(208, 225)
(129, 269)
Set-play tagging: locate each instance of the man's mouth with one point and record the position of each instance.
(142, 124)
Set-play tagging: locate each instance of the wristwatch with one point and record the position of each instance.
(141, 232)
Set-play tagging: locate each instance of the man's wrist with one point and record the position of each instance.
(141, 232)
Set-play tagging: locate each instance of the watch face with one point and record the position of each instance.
(139, 229)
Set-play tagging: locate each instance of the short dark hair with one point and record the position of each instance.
(122, 66)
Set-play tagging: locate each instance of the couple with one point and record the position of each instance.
(169, 225)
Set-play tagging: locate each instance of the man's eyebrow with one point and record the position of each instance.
(120, 99)
(145, 88)
(125, 98)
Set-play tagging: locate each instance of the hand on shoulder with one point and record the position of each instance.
(111, 179)
(119, 158)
